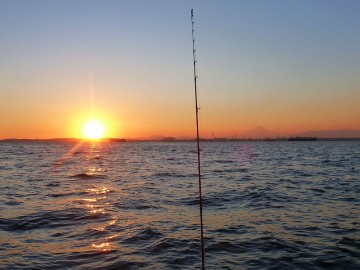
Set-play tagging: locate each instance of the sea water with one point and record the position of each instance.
(267, 205)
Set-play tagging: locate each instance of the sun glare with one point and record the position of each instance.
(93, 129)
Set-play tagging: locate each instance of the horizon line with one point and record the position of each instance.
(173, 139)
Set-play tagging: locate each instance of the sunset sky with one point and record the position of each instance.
(286, 65)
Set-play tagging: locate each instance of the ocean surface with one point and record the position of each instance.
(267, 205)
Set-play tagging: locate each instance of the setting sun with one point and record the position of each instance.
(93, 129)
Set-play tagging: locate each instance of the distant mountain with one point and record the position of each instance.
(340, 133)
(259, 132)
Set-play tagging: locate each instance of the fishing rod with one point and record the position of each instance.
(198, 142)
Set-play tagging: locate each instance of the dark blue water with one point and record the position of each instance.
(267, 205)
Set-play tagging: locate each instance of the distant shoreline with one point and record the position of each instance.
(122, 140)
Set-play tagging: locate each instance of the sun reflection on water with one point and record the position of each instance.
(97, 211)
(89, 200)
(96, 202)
(112, 236)
(102, 190)
(103, 247)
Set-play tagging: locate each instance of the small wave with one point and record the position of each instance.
(349, 246)
(12, 203)
(82, 152)
(53, 184)
(233, 170)
(188, 201)
(63, 194)
(226, 246)
(163, 175)
(84, 175)
(318, 190)
(233, 230)
(349, 199)
(268, 197)
(332, 260)
(264, 244)
(184, 260)
(346, 241)
(224, 161)
(208, 201)
(47, 219)
(81, 175)
(254, 198)
(135, 205)
(188, 246)
(144, 234)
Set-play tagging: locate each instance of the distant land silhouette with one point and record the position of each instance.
(341, 133)
(259, 132)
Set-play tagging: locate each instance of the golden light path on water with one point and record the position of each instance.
(96, 204)
(95, 199)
